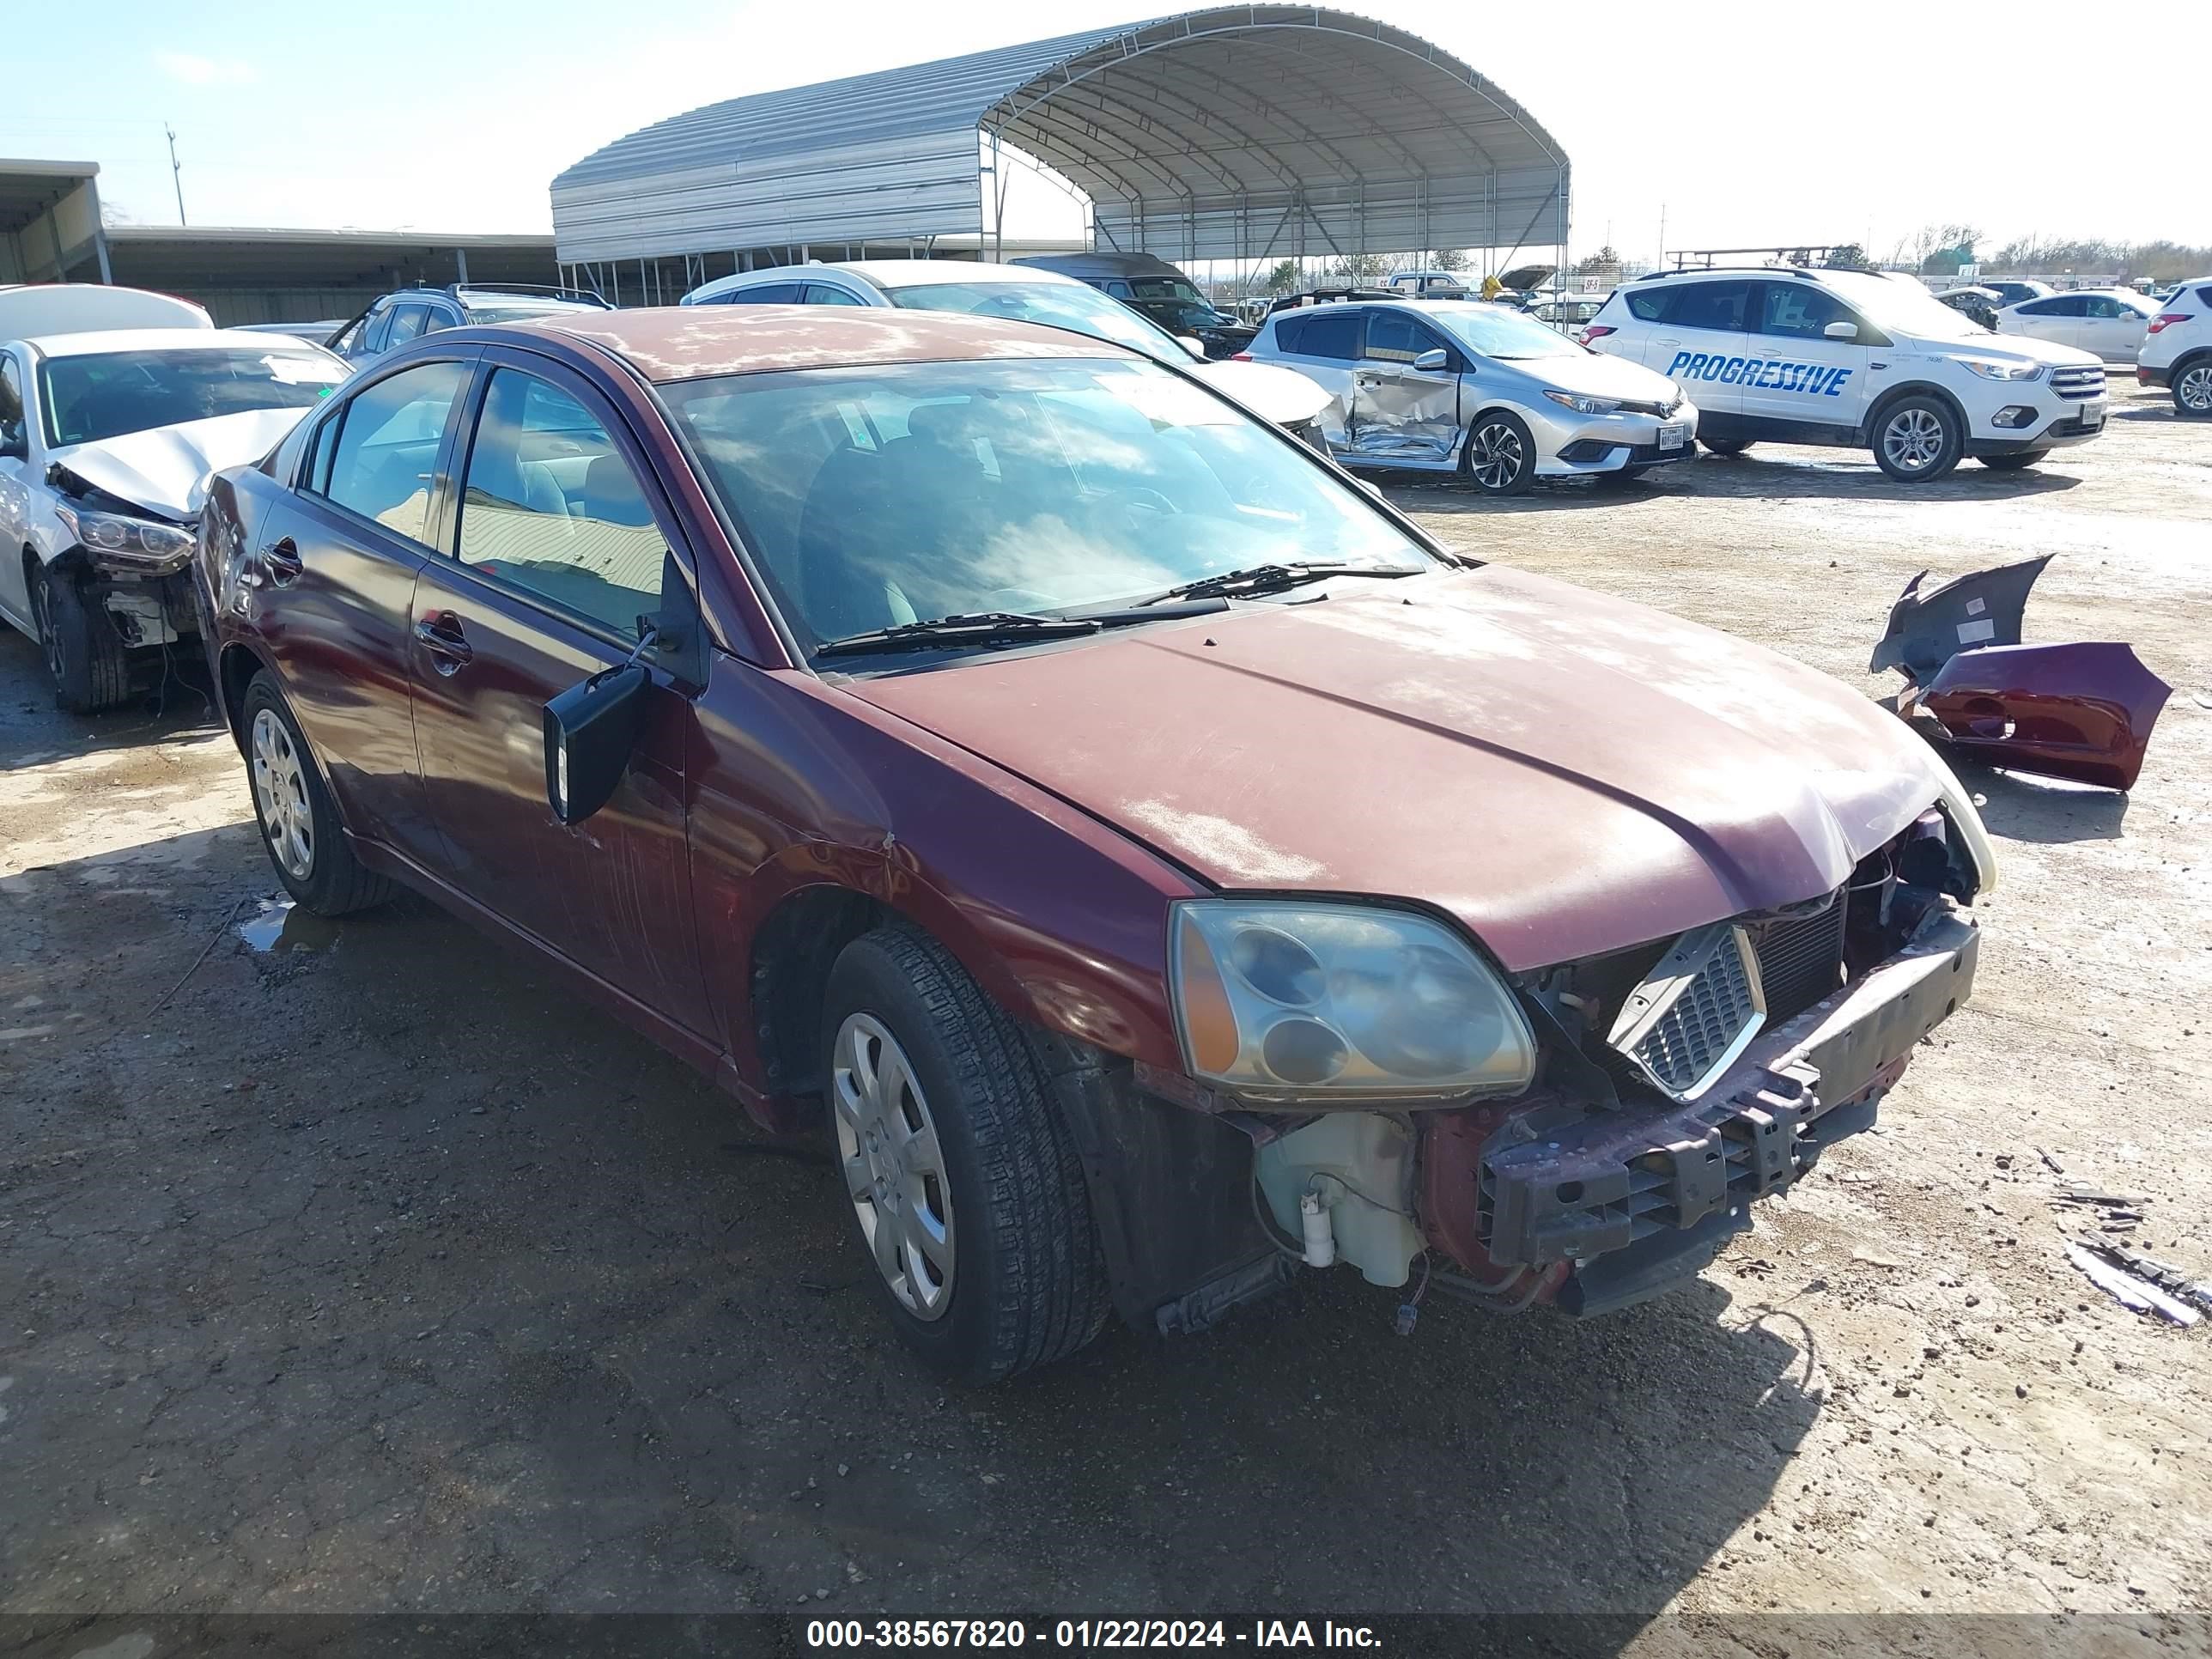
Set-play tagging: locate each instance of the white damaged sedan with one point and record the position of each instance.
(107, 439)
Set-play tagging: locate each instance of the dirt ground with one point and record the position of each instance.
(368, 1270)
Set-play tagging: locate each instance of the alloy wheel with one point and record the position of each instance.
(893, 1164)
(1497, 457)
(50, 637)
(2194, 389)
(1913, 440)
(280, 789)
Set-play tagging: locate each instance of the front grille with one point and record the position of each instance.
(1694, 1012)
(2081, 380)
(1801, 959)
(1645, 406)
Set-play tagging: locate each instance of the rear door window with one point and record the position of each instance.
(386, 455)
(767, 294)
(1718, 305)
(1333, 333)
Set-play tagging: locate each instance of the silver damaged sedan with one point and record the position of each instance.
(1489, 393)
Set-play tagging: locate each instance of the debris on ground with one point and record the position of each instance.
(2124, 1274)
(2112, 1213)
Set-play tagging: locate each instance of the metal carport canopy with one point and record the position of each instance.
(1240, 133)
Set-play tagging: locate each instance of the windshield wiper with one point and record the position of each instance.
(982, 627)
(1274, 578)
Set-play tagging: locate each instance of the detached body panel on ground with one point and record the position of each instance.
(1066, 884)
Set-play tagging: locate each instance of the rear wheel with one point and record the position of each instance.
(84, 653)
(963, 1179)
(1499, 458)
(2192, 389)
(1917, 439)
(300, 825)
(1729, 447)
(2024, 458)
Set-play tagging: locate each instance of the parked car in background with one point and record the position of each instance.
(1428, 285)
(1569, 313)
(398, 318)
(2012, 291)
(1450, 386)
(1029, 294)
(1981, 304)
(1158, 289)
(107, 440)
(922, 725)
(1329, 296)
(2177, 348)
(1797, 354)
(2109, 323)
(28, 309)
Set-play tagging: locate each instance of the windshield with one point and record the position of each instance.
(94, 397)
(1496, 332)
(1057, 305)
(1902, 307)
(906, 492)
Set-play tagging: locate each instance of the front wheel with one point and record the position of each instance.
(299, 826)
(84, 653)
(1500, 457)
(963, 1179)
(2192, 390)
(1917, 439)
(2026, 457)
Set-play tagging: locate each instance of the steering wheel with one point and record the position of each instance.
(1141, 502)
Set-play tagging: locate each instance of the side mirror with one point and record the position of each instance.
(1193, 344)
(591, 730)
(1434, 361)
(15, 444)
(1842, 331)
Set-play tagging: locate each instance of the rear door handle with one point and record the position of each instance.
(281, 557)
(441, 636)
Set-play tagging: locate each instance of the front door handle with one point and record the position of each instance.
(441, 636)
(282, 558)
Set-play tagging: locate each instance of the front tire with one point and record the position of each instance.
(1499, 457)
(963, 1179)
(2192, 390)
(1917, 439)
(2014, 463)
(85, 655)
(299, 826)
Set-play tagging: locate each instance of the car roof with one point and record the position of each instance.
(163, 339)
(685, 343)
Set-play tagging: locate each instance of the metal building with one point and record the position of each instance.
(1240, 133)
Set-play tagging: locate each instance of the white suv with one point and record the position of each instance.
(1785, 355)
(2177, 350)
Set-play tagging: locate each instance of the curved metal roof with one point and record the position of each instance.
(1235, 133)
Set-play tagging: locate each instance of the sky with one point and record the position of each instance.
(1857, 120)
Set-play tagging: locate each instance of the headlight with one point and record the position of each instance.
(1582, 405)
(1958, 807)
(138, 543)
(1989, 369)
(1276, 999)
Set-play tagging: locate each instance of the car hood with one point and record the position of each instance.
(2009, 347)
(165, 469)
(1598, 376)
(1276, 394)
(1564, 773)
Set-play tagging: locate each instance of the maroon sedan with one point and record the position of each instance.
(1152, 862)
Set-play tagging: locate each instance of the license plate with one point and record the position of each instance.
(1673, 437)
(2092, 413)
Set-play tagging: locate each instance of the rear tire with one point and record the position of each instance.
(85, 655)
(1917, 439)
(1730, 447)
(948, 1146)
(301, 830)
(2014, 463)
(1499, 457)
(2192, 389)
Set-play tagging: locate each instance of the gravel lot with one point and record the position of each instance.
(371, 1270)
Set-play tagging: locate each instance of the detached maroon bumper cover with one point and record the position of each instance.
(2083, 712)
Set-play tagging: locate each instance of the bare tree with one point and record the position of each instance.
(1360, 269)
